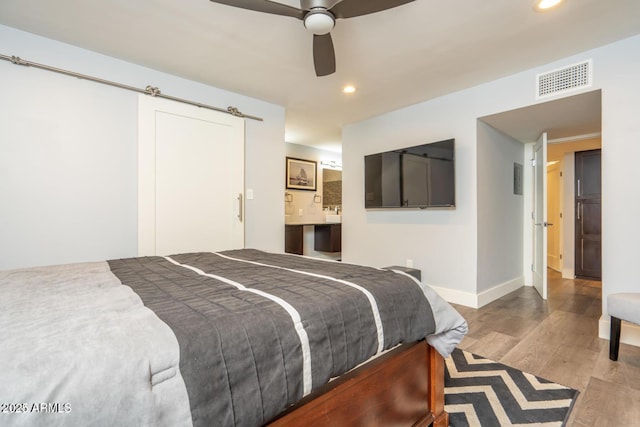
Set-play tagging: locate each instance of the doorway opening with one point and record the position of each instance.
(564, 243)
(572, 124)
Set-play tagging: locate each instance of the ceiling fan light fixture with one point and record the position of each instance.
(319, 21)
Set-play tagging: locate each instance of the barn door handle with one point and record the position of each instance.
(240, 207)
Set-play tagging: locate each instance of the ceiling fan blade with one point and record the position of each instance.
(324, 57)
(265, 6)
(352, 8)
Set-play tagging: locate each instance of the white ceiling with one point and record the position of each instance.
(396, 58)
(569, 117)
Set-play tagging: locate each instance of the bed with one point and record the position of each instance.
(234, 338)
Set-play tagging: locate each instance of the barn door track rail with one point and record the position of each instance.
(149, 90)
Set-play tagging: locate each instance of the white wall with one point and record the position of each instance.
(500, 213)
(443, 244)
(68, 155)
(618, 76)
(440, 242)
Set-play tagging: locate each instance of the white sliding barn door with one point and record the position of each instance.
(191, 179)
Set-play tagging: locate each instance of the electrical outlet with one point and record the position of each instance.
(409, 263)
(300, 212)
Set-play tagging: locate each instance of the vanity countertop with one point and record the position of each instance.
(310, 223)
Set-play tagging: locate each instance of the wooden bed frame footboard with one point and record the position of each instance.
(404, 387)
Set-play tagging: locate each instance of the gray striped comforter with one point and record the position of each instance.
(258, 331)
(255, 332)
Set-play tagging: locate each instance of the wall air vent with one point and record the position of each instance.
(563, 80)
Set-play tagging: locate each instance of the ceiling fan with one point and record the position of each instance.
(319, 17)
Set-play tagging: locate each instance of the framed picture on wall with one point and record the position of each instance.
(301, 174)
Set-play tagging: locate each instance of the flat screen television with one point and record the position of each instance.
(416, 177)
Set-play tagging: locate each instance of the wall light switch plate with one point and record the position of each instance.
(249, 194)
(300, 212)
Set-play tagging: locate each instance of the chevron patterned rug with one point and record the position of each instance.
(481, 392)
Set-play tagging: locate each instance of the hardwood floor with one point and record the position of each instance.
(558, 340)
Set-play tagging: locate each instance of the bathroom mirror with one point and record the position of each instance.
(331, 188)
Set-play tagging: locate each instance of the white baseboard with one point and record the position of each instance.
(629, 334)
(499, 291)
(568, 273)
(457, 297)
(483, 298)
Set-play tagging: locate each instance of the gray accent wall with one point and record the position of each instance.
(444, 244)
(500, 211)
(68, 155)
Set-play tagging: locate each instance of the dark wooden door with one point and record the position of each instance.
(588, 191)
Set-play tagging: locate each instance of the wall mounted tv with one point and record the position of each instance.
(416, 177)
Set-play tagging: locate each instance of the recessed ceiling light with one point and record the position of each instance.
(349, 89)
(542, 5)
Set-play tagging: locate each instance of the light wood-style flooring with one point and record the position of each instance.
(558, 340)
